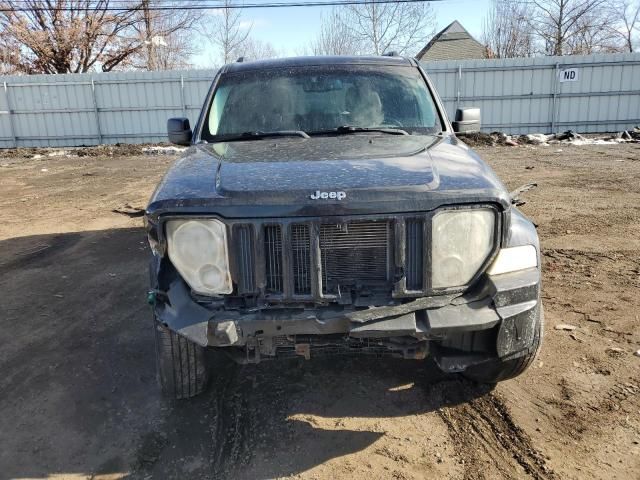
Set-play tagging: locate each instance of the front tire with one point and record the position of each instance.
(182, 369)
(498, 370)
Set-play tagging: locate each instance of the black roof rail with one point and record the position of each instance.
(392, 53)
(240, 60)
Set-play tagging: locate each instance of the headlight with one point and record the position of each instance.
(198, 250)
(513, 259)
(461, 242)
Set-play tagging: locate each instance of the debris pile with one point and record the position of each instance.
(163, 150)
(129, 211)
(487, 139)
(541, 139)
(118, 150)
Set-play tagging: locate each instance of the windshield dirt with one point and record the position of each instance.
(320, 100)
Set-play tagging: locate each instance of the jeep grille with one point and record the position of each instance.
(339, 259)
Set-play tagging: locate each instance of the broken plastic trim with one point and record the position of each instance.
(515, 195)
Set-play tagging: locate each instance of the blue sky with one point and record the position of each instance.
(289, 30)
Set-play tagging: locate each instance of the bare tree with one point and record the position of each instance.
(73, 36)
(254, 49)
(170, 52)
(507, 31)
(595, 33)
(384, 27)
(335, 36)
(67, 36)
(227, 31)
(9, 60)
(165, 35)
(627, 13)
(559, 23)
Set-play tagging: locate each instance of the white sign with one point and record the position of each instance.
(569, 75)
(158, 41)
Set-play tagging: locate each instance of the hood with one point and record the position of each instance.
(289, 177)
(298, 167)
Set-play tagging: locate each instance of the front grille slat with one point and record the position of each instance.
(273, 258)
(246, 260)
(301, 253)
(414, 254)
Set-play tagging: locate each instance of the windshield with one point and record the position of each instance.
(320, 99)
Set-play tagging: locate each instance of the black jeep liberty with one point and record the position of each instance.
(325, 206)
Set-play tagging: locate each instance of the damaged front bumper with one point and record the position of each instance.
(505, 305)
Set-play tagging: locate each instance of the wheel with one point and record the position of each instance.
(498, 370)
(182, 369)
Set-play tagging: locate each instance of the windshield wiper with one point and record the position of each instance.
(258, 135)
(348, 129)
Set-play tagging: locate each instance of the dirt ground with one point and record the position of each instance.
(78, 397)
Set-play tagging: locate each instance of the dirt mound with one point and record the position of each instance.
(115, 150)
(492, 139)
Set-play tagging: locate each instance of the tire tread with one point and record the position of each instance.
(499, 370)
(182, 368)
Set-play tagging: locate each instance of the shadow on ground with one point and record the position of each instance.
(78, 380)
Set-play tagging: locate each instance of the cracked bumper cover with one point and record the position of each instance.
(509, 301)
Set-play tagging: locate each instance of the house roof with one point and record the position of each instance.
(452, 43)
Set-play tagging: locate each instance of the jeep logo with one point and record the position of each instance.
(326, 195)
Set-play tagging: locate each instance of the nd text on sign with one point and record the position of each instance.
(569, 75)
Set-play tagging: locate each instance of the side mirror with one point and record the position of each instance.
(179, 131)
(467, 120)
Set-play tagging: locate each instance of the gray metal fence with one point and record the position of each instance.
(594, 93)
(89, 109)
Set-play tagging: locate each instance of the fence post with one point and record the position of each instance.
(554, 84)
(14, 139)
(182, 101)
(95, 111)
(458, 82)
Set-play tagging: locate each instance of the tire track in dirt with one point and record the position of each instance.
(576, 404)
(250, 408)
(229, 414)
(484, 429)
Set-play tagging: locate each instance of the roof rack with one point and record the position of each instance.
(392, 53)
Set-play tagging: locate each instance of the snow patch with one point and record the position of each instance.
(598, 141)
(58, 153)
(162, 150)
